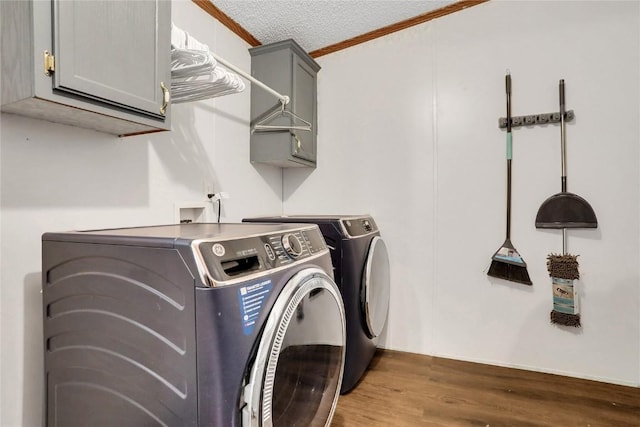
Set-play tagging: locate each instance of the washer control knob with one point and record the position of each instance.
(292, 245)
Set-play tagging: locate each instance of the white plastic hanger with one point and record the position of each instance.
(195, 76)
(262, 126)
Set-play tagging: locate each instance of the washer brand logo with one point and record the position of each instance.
(218, 249)
(252, 298)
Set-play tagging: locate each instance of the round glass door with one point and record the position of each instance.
(297, 373)
(375, 287)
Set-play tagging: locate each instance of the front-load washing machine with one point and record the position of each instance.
(194, 324)
(361, 266)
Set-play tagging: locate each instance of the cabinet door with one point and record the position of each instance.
(113, 51)
(304, 105)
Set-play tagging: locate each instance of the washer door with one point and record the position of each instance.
(297, 373)
(375, 287)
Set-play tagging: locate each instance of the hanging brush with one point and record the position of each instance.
(507, 263)
(563, 269)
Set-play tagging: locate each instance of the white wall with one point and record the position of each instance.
(408, 132)
(55, 177)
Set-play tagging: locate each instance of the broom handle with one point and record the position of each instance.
(563, 149)
(508, 196)
(507, 81)
(563, 136)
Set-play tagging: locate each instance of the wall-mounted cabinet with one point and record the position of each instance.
(102, 65)
(288, 69)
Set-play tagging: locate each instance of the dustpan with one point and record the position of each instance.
(565, 210)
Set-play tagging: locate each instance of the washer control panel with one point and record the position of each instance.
(296, 245)
(224, 260)
(292, 245)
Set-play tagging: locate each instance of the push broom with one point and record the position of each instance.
(507, 263)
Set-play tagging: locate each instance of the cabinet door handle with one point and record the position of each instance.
(49, 63)
(298, 142)
(166, 98)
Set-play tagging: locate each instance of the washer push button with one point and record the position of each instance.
(269, 250)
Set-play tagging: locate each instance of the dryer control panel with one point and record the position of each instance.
(359, 226)
(223, 261)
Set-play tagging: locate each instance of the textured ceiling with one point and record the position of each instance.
(316, 24)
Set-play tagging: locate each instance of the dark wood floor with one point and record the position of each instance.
(404, 389)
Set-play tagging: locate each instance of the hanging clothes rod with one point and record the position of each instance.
(182, 39)
(284, 99)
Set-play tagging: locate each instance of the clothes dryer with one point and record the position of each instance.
(193, 324)
(361, 267)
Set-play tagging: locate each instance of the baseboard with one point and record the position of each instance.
(545, 371)
(523, 367)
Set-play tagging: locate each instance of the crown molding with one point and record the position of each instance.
(225, 20)
(236, 28)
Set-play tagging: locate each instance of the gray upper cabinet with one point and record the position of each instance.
(288, 69)
(102, 65)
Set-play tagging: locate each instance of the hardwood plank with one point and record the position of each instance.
(405, 389)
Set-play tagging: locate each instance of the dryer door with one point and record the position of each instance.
(297, 373)
(375, 287)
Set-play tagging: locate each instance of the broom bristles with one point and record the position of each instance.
(563, 266)
(565, 319)
(510, 272)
